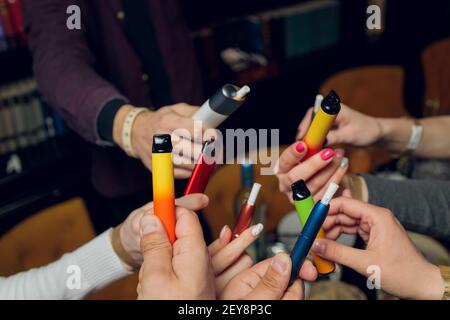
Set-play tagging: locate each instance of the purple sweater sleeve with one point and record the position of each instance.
(64, 66)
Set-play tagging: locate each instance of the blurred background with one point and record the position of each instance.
(286, 50)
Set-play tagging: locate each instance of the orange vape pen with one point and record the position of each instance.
(163, 183)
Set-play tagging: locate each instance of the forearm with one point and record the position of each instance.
(87, 269)
(64, 67)
(435, 142)
(421, 206)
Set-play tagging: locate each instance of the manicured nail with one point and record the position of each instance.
(344, 162)
(223, 231)
(256, 230)
(318, 247)
(300, 147)
(279, 263)
(205, 200)
(339, 153)
(149, 224)
(327, 154)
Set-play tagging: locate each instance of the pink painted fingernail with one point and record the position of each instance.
(327, 154)
(300, 147)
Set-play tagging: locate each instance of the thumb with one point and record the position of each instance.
(275, 281)
(355, 259)
(155, 246)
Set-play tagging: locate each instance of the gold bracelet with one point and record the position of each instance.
(120, 250)
(445, 273)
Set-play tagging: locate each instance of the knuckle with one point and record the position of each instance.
(153, 243)
(270, 281)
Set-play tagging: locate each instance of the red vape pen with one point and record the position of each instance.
(247, 210)
(202, 170)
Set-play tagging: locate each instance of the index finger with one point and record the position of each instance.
(353, 208)
(291, 157)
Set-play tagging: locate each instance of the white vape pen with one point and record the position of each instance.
(221, 105)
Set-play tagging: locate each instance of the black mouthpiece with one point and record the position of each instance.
(300, 191)
(162, 143)
(331, 104)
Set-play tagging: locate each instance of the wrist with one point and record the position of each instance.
(433, 287)
(119, 120)
(394, 133)
(121, 250)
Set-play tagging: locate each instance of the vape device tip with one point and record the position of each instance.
(331, 190)
(242, 92)
(318, 102)
(254, 194)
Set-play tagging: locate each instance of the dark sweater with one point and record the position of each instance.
(421, 206)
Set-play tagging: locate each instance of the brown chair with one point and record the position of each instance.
(436, 68)
(46, 236)
(373, 90)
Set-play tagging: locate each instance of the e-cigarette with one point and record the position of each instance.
(221, 105)
(202, 170)
(322, 123)
(163, 183)
(304, 203)
(246, 213)
(310, 230)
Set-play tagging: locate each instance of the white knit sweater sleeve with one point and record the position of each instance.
(85, 270)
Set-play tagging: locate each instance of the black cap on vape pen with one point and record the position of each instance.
(300, 191)
(162, 143)
(331, 104)
(223, 101)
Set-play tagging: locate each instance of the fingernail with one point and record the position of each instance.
(327, 154)
(300, 147)
(279, 263)
(149, 224)
(339, 153)
(344, 162)
(205, 200)
(256, 230)
(318, 247)
(223, 231)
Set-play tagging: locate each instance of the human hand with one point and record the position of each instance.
(228, 257)
(169, 120)
(318, 171)
(350, 127)
(179, 272)
(269, 280)
(404, 271)
(129, 231)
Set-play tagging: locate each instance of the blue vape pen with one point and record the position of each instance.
(310, 230)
